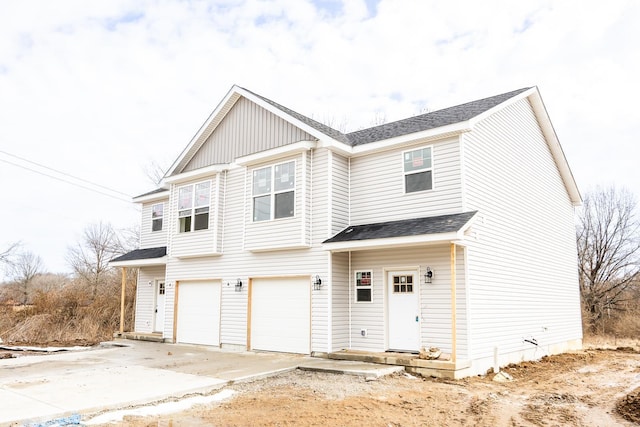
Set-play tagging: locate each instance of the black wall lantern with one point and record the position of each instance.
(428, 275)
(239, 285)
(317, 283)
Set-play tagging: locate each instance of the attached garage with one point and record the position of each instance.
(198, 313)
(281, 315)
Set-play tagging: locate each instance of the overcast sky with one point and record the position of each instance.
(99, 90)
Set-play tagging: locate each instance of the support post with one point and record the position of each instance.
(453, 302)
(122, 293)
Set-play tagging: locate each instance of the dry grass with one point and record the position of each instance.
(67, 316)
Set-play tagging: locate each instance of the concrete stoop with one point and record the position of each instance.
(411, 363)
(138, 336)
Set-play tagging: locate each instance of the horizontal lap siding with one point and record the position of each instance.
(237, 262)
(435, 298)
(279, 232)
(523, 262)
(377, 186)
(145, 297)
(247, 129)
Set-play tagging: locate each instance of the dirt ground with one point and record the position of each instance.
(588, 388)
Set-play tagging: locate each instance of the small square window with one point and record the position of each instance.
(157, 213)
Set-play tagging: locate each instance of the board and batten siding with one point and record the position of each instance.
(149, 238)
(237, 262)
(146, 297)
(246, 129)
(377, 185)
(522, 263)
(435, 297)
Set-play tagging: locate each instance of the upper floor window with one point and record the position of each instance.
(157, 213)
(274, 191)
(193, 207)
(418, 170)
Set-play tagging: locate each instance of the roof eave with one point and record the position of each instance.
(151, 197)
(395, 242)
(140, 262)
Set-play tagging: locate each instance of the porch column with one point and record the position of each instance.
(453, 302)
(122, 292)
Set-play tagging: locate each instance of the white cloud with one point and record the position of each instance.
(99, 89)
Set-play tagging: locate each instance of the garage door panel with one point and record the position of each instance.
(280, 315)
(198, 319)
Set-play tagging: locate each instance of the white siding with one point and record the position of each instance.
(200, 242)
(145, 297)
(283, 232)
(340, 193)
(435, 298)
(340, 301)
(522, 265)
(148, 238)
(377, 186)
(238, 262)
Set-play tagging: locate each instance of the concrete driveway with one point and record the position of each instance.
(128, 373)
(40, 388)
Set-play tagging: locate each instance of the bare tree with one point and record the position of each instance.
(7, 254)
(24, 270)
(90, 258)
(608, 237)
(155, 171)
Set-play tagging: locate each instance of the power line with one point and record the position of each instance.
(60, 172)
(67, 181)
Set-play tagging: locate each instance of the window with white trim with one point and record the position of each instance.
(418, 170)
(364, 286)
(274, 191)
(193, 207)
(157, 213)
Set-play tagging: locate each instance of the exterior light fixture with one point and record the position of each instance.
(238, 285)
(317, 283)
(428, 275)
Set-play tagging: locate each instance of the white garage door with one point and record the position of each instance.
(281, 315)
(198, 319)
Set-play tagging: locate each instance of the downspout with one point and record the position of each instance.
(453, 302)
(122, 293)
(349, 287)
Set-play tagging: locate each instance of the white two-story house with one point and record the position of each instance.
(452, 229)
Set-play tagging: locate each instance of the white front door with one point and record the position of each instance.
(404, 310)
(158, 321)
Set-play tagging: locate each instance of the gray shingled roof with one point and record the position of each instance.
(405, 227)
(435, 119)
(139, 254)
(432, 120)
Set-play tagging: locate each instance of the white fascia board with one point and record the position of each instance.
(394, 242)
(198, 255)
(556, 149)
(336, 146)
(140, 262)
(206, 129)
(424, 136)
(163, 195)
(195, 174)
(275, 153)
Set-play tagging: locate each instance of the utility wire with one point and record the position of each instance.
(60, 172)
(122, 199)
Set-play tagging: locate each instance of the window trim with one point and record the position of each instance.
(159, 218)
(273, 192)
(369, 287)
(413, 172)
(193, 208)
